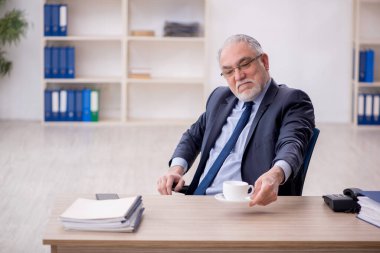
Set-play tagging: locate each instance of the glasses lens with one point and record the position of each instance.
(228, 72)
(243, 66)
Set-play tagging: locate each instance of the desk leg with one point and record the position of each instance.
(53, 249)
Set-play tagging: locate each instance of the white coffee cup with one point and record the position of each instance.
(236, 190)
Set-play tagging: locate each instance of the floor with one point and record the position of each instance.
(37, 163)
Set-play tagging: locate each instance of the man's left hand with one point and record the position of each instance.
(266, 187)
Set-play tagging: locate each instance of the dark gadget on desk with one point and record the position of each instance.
(346, 202)
(104, 196)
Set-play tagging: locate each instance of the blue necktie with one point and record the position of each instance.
(207, 180)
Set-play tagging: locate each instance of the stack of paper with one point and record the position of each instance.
(117, 215)
(370, 207)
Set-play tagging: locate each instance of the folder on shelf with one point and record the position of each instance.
(78, 105)
(362, 65)
(55, 105)
(361, 106)
(86, 102)
(62, 59)
(48, 105)
(63, 105)
(369, 66)
(47, 62)
(54, 62)
(47, 20)
(376, 109)
(94, 107)
(70, 105)
(55, 19)
(70, 54)
(62, 20)
(368, 115)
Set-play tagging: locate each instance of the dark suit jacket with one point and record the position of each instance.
(281, 130)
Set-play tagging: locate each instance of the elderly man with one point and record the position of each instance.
(255, 130)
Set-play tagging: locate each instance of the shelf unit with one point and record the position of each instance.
(366, 34)
(101, 32)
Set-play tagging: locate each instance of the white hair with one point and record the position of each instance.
(251, 42)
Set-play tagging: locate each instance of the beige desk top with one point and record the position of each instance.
(193, 222)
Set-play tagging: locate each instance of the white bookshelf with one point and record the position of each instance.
(366, 34)
(165, 39)
(106, 51)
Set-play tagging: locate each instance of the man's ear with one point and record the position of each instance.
(265, 61)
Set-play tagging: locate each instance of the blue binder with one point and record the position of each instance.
(55, 19)
(70, 54)
(361, 108)
(63, 105)
(47, 20)
(78, 105)
(376, 109)
(55, 105)
(47, 62)
(55, 62)
(368, 112)
(369, 66)
(86, 108)
(62, 63)
(362, 65)
(62, 20)
(48, 105)
(70, 105)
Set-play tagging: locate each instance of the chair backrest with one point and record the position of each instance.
(300, 179)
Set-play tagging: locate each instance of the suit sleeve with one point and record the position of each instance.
(190, 144)
(296, 129)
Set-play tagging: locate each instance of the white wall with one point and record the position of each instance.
(21, 93)
(308, 42)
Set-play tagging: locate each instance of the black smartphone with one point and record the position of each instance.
(104, 196)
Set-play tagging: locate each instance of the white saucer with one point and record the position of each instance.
(220, 197)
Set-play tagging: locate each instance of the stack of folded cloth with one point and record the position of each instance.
(176, 29)
(114, 215)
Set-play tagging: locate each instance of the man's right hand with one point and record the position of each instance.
(173, 176)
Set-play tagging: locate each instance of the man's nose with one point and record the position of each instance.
(239, 74)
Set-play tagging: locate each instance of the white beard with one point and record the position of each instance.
(248, 94)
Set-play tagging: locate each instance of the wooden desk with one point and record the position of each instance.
(202, 224)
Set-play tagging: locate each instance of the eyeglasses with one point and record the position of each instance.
(242, 66)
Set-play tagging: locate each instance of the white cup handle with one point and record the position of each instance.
(250, 189)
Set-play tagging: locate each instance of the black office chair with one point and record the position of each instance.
(300, 179)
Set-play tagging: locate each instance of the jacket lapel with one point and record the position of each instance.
(267, 100)
(224, 110)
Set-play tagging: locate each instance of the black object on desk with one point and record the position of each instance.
(346, 202)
